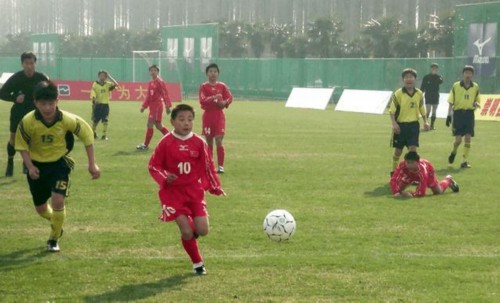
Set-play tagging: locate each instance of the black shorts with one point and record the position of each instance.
(433, 100)
(54, 178)
(408, 136)
(100, 113)
(463, 123)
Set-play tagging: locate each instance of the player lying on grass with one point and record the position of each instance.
(184, 170)
(414, 170)
(42, 140)
(100, 95)
(156, 96)
(214, 97)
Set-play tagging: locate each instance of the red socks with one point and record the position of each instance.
(149, 135)
(191, 247)
(164, 130)
(220, 155)
(445, 184)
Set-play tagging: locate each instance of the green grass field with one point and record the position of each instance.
(354, 243)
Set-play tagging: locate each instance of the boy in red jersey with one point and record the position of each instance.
(157, 95)
(183, 168)
(415, 170)
(214, 97)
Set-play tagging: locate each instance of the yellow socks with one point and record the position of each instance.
(47, 214)
(395, 162)
(466, 150)
(58, 218)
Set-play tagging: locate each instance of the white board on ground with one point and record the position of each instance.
(363, 101)
(442, 110)
(4, 77)
(313, 98)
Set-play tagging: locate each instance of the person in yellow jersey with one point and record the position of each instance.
(406, 104)
(44, 139)
(100, 95)
(463, 100)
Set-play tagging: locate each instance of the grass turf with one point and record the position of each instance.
(329, 169)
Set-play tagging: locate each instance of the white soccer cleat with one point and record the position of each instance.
(142, 147)
(52, 246)
(220, 170)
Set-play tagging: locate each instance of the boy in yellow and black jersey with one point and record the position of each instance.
(44, 138)
(463, 100)
(406, 104)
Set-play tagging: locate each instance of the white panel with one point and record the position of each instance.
(363, 101)
(4, 78)
(314, 98)
(442, 110)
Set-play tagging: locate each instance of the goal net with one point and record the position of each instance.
(166, 62)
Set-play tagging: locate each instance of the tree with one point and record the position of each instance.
(325, 37)
(232, 37)
(258, 35)
(407, 45)
(16, 44)
(379, 34)
(296, 47)
(280, 33)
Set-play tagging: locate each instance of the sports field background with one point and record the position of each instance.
(354, 242)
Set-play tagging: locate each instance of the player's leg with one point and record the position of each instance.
(58, 218)
(456, 144)
(395, 158)
(441, 187)
(95, 118)
(159, 126)
(105, 116)
(428, 108)
(149, 135)
(11, 152)
(201, 225)
(467, 145)
(190, 243)
(210, 143)
(220, 153)
(434, 115)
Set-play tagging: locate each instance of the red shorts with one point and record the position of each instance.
(214, 124)
(182, 200)
(156, 113)
(432, 182)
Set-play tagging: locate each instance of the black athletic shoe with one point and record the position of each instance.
(9, 172)
(465, 164)
(453, 184)
(451, 158)
(200, 271)
(52, 246)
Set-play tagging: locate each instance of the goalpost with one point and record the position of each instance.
(141, 60)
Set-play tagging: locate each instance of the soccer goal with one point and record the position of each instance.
(141, 60)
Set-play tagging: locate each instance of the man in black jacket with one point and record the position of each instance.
(19, 90)
(430, 87)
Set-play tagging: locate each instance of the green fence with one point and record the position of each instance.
(266, 78)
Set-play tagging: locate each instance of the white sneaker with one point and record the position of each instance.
(52, 246)
(220, 170)
(141, 147)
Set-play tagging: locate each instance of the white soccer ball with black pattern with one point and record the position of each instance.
(279, 225)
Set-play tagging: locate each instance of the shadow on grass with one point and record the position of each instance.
(4, 181)
(133, 292)
(129, 153)
(442, 172)
(379, 191)
(20, 258)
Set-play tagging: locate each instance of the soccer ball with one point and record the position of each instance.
(279, 225)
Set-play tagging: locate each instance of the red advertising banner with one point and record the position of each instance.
(127, 91)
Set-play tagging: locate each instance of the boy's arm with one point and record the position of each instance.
(7, 92)
(165, 96)
(206, 101)
(114, 82)
(22, 143)
(423, 86)
(94, 170)
(210, 180)
(227, 96)
(157, 165)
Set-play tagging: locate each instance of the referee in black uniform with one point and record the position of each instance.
(430, 87)
(19, 90)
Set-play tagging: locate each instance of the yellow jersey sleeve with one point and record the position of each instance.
(93, 91)
(23, 136)
(395, 104)
(79, 127)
